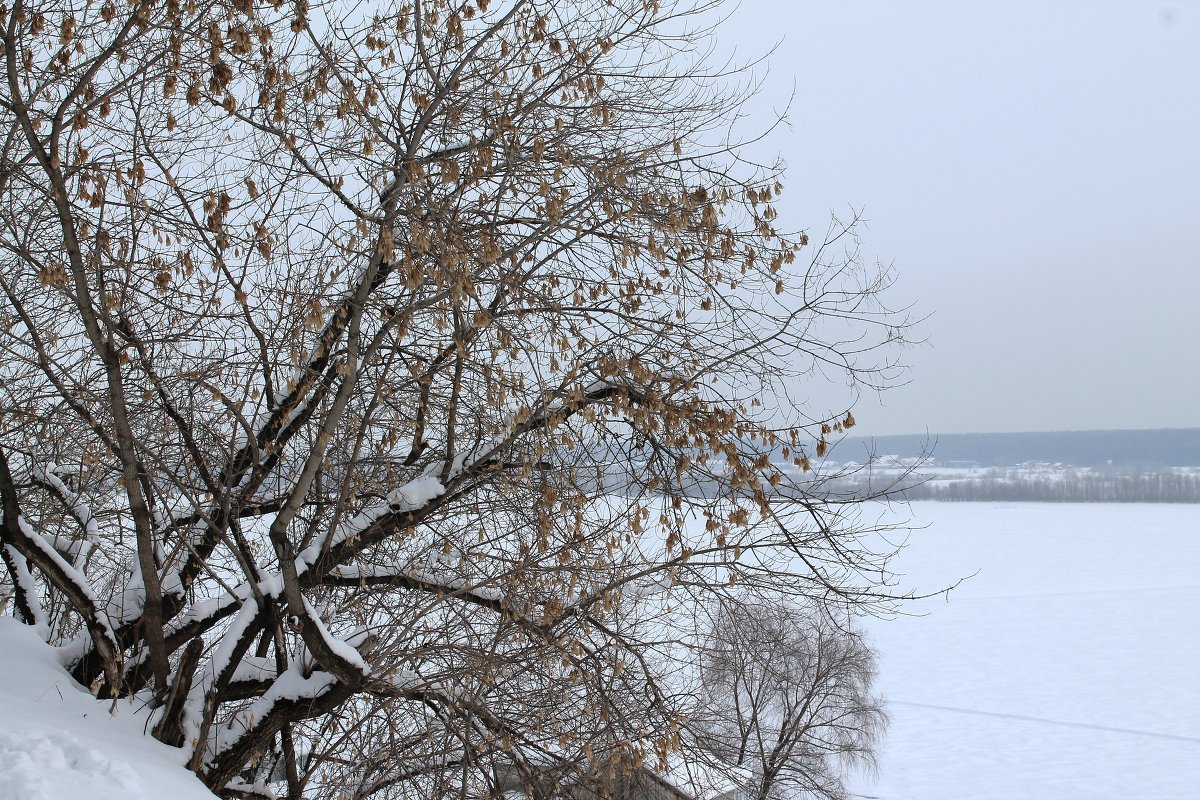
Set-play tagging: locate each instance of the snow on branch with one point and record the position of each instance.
(339, 648)
(291, 697)
(66, 578)
(354, 575)
(28, 603)
(18, 534)
(81, 511)
(409, 497)
(291, 686)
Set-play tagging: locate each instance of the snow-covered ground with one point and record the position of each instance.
(59, 743)
(1066, 668)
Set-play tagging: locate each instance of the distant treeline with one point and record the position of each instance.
(1148, 449)
(1160, 487)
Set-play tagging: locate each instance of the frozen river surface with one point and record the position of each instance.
(1067, 667)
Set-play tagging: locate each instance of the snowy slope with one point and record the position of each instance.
(1066, 668)
(57, 742)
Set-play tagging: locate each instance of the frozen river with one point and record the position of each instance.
(1067, 667)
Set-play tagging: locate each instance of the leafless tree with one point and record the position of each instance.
(367, 369)
(787, 697)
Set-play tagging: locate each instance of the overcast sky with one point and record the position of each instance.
(1033, 171)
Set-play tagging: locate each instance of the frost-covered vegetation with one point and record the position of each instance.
(324, 328)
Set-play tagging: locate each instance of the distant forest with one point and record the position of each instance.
(1150, 466)
(1129, 449)
(1014, 486)
(1155, 487)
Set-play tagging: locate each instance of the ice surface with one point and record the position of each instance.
(1064, 669)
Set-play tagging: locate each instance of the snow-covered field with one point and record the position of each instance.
(1066, 668)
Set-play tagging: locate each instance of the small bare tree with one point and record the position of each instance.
(787, 697)
(360, 362)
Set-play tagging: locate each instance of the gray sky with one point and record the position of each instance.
(1033, 171)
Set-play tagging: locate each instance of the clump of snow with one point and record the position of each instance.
(253, 668)
(57, 742)
(416, 493)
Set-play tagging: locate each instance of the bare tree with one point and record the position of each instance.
(364, 368)
(787, 697)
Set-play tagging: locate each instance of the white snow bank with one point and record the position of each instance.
(57, 742)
